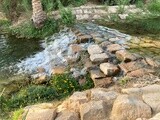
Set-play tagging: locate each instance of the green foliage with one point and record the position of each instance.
(124, 80)
(154, 6)
(65, 84)
(140, 4)
(27, 29)
(67, 17)
(17, 114)
(29, 95)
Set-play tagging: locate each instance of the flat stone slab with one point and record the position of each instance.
(109, 69)
(114, 47)
(96, 74)
(102, 82)
(125, 56)
(96, 58)
(132, 66)
(94, 49)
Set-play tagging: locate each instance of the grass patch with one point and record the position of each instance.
(27, 29)
(17, 114)
(154, 6)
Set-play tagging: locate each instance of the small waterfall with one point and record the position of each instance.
(53, 54)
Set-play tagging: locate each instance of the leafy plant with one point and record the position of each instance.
(67, 17)
(154, 6)
(29, 95)
(65, 84)
(27, 30)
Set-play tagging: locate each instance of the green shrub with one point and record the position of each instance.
(27, 29)
(29, 95)
(67, 17)
(154, 6)
(65, 84)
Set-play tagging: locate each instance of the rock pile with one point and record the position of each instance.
(102, 104)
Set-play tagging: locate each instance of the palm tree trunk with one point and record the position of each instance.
(38, 15)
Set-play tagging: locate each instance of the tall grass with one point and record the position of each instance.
(154, 6)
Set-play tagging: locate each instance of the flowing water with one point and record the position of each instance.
(19, 55)
(13, 50)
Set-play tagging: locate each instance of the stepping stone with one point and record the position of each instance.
(94, 49)
(109, 69)
(102, 82)
(114, 47)
(125, 56)
(96, 74)
(96, 58)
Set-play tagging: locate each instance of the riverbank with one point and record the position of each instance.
(86, 56)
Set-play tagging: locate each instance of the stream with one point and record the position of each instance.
(25, 56)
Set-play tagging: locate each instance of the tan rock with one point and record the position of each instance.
(128, 107)
(58, 70)
(156, 117)
(40, 112)
(94, 110)
(101, 94)
(75, 48)
(96, 58)
(150, 95)
(151, 62)
(84, 38)
(114, 47)
(96, 74)
(102, 82)
(67, 115)
(109, 69)
(132, 66)
(140, 72)
(94, 49)
(125, 56)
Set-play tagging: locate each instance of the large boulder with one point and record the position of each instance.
(67, 115)
(156, 117)
(150, 95)
(44, 111)
(128, 107)
(94, 110)
(101, 94)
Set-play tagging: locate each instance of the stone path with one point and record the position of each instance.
(102, 104)
(103, 52)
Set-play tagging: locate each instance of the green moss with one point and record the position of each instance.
(17, 114)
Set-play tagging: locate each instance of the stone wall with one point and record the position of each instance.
(97, 12)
